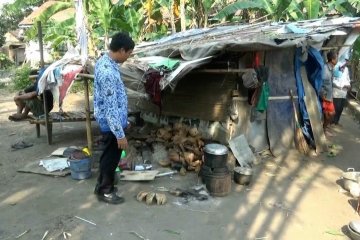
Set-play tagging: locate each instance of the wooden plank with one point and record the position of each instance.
(138, 175)
(314, 113)
(280, 123)
(202, 96)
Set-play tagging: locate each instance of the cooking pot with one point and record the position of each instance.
(353, 234)
(207, 172)
(215, 155)
(243, 175)
(351, 179)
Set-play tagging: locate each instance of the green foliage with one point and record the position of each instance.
(312, 8)
(5, 62)
(356, 50)
(13, 13)
(78, 87)
(58, 33)
(3, 31)
(32, 32)
(21, 79)
(240, 5)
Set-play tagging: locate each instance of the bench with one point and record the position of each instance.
(58, 117)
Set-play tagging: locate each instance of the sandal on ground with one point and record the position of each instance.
(21, 145)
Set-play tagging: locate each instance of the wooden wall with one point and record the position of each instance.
(204, 96)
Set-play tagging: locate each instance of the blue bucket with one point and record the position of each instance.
(80, 168)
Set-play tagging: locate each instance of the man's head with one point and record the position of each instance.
(121, 47)
(332, 57)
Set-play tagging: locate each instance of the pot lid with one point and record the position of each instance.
(216, 149)
(355, 225)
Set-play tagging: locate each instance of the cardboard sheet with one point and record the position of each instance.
(33, 167)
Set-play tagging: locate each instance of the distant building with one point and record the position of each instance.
(14, 47)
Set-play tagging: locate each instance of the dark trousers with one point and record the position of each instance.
(109, 160)
(339, 104)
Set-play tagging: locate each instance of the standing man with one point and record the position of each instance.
(111, 109)
(326, 93)
(341, 86)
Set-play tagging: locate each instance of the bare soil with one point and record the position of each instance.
(291, 197)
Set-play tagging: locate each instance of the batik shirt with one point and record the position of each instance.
(110, 99)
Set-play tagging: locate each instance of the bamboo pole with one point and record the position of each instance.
(87, 114)
(41, 49)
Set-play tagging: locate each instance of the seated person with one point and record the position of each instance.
(28, 100)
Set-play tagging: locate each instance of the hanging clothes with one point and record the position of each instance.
(69, 73)
(152, 85)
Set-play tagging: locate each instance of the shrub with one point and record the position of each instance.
(78, 87)
(5, 62)
(21, 79)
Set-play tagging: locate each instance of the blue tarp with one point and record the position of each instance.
(314, 67)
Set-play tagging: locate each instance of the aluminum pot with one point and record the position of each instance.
(353, 234)
(215, 155)
(351, 179)
(243, 175)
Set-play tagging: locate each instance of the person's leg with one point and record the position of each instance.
(341, 108)
(108, 162)
(19, 103)
(338, 110)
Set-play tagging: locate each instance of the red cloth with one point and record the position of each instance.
(152, 86)
(68, 78)
(328, 106)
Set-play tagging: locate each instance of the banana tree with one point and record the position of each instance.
(276, 9)
(44, 17)
(105, 18)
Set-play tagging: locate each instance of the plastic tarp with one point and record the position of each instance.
(134, 78)
(314, 67)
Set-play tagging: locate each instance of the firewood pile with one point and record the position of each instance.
(184, 144)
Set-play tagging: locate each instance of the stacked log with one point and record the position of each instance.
(185, 146)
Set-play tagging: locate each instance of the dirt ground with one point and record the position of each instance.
(291, 197)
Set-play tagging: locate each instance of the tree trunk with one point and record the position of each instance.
(182, 15)
(172, 16)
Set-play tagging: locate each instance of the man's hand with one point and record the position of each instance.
(122, 143)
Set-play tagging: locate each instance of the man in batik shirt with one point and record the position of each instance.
(111, 109)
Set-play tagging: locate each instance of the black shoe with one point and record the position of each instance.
(96, 190)
(111, 198)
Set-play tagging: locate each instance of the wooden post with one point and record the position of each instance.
(41, 49)
(87, 114)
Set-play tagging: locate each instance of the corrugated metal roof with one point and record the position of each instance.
(249, 35)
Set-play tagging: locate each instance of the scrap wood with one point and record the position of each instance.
(171, 231)
(165, 174)
(85, 220)
(151, 197)
(66, 235)
(138, 235)
(22, 234)
(45, 234)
